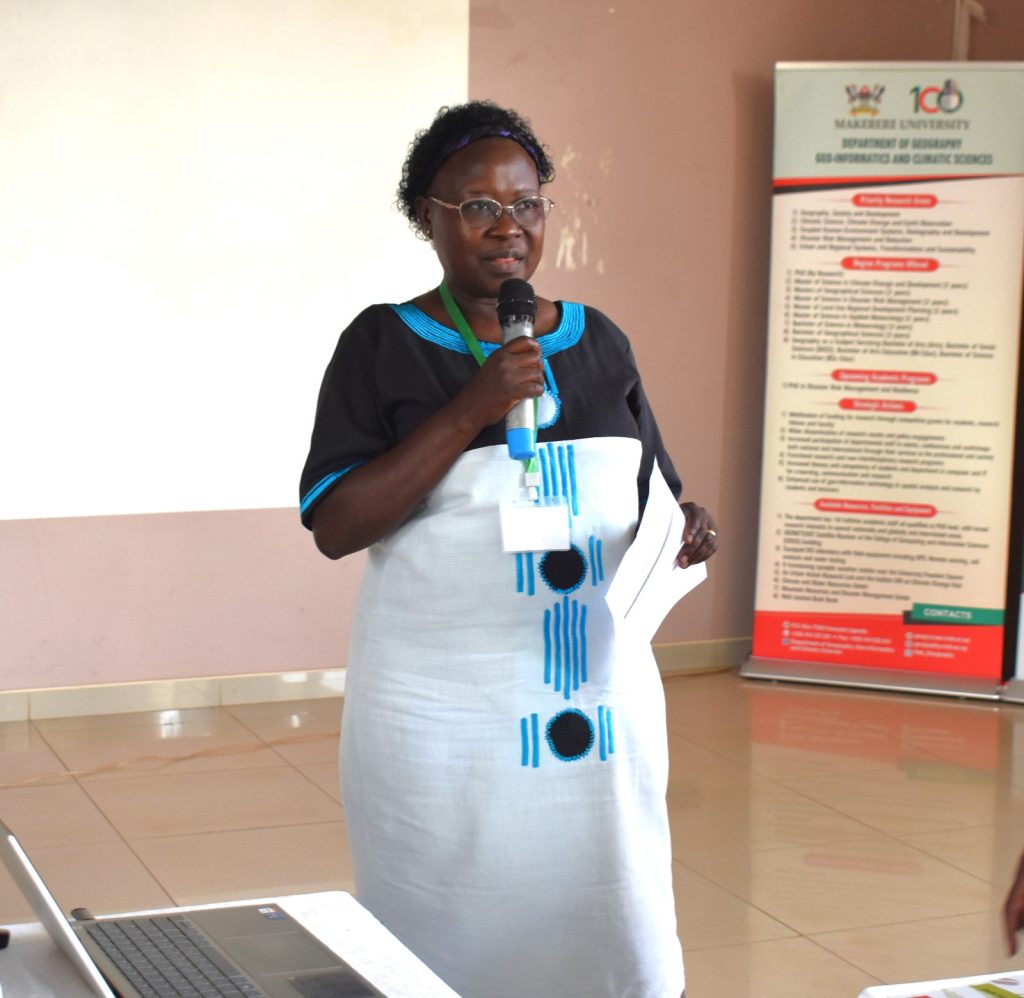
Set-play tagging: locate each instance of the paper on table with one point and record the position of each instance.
(355, 935)
(1003, 985)
(648, 582)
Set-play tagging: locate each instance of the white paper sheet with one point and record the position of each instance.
(1011, 983)
(648, 582)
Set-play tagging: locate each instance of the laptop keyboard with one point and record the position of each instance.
(169, 957)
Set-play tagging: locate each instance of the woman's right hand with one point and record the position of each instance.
(512, 373)
(373, 499)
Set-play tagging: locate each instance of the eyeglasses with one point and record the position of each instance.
(479, 213)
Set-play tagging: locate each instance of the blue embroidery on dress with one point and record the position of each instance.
(573, 732)
(565, 636)
(567, 334)
(558, 475)
(565, 646)
(551, 393)
(556, 641)
(549, 466)
(526, 575)
(574, 494)
(555, 405)
(570, 734)
(565, 477)
(529, 734)
(575, 645)
(583, 642)
(567, 640)
(547, 647)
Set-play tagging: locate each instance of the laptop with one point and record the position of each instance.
(255, 951)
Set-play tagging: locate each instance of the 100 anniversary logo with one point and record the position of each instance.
(867, 100)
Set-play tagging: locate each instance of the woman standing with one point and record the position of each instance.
(504, 751)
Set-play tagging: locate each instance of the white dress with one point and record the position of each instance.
(504, 752)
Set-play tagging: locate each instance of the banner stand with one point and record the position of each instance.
(889, 525)
(1013, 666)
(890, 680)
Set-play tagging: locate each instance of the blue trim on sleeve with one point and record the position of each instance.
(323, 485)
(567, 334)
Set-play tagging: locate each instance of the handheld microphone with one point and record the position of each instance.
(517, 308)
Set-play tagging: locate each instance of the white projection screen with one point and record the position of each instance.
(196, 196)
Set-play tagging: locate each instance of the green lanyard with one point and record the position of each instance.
(455, 313)
(530, 466)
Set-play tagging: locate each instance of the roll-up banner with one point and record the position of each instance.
(894, 324)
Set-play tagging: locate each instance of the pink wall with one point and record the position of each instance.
(120, 598)
(660, 116)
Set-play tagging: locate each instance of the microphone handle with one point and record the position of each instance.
(521, 422)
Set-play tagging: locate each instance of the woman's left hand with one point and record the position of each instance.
(1013, 909)
(700, 535)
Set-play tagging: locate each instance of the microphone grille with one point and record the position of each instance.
(516, 297)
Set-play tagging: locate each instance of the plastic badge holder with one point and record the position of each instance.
(535, 526)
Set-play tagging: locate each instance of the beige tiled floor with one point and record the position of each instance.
(824, 840)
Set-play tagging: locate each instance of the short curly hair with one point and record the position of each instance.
(454, 128)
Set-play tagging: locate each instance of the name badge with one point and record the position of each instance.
(535, 526)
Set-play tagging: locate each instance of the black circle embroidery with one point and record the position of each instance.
(564, 571)
(570, 734)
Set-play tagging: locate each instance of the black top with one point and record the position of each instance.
(395, 366)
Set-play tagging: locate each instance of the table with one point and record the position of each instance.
(33, 967)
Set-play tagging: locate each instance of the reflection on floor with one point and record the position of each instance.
(824, 840)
